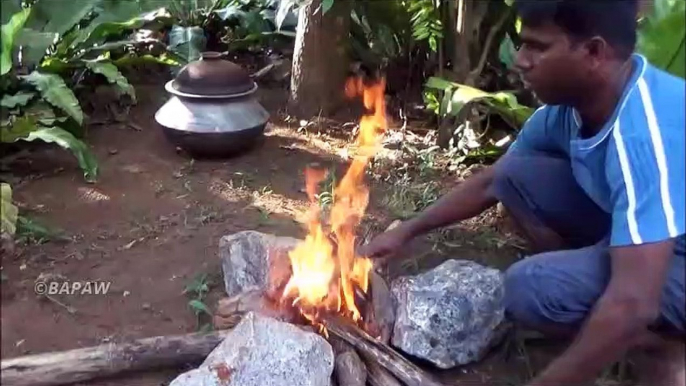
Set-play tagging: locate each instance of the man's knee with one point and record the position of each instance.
(507, 177)
(536, 297)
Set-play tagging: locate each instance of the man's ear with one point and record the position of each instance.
(597, 50)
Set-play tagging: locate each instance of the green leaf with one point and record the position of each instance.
(56, 65)
(31, 229)
(66, 140)
(438, 83)
(662, 38)
(169, 59)
(19, 129)
(56, 92)
(42, 113)
(506, 52)
(59, 16)
(8, 211)
(456, 96)
(199, 306)
(7, 9)
(34, 45)
(110, 71)
(188, 42)
(326, 6)
(19, 99)
(285, 7)
(109, 46)
(9, 32)
(116, 18)
(228, 12)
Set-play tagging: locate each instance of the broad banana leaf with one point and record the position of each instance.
(10, 31)
(55, 91)
(662, 37)
(110, 71)
(8, 211)
(503, 103)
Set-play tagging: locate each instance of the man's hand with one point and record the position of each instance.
(386, 244)
(466, 200)
(621, 316)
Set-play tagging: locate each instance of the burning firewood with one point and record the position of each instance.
(378, 352)
(379, 311)
(230, 310)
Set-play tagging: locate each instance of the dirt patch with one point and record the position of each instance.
(150, 227)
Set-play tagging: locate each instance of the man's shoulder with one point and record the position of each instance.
(657, 78)
(655, 106)
(553, 116)
(660, 96)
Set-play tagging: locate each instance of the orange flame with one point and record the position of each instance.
(325, 268)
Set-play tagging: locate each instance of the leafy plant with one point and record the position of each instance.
(68, 41)
(73, 33)
(426, 21)
(199, 287)
(61, 43)
(662, 36)
(257, 23)
(407, 199)
(37, 121)
(456, 96)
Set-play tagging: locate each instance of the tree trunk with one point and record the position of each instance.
(320, 59)
(459, 11)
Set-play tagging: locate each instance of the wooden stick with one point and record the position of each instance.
(378, 376)
(350, 369)
(375, 351)
(67, 367)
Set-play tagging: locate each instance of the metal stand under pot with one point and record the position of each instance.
(213, 111)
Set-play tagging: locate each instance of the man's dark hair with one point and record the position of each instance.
(613, 20)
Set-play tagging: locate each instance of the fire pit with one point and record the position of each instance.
(212, 111)
(311, 312)
(321, 283)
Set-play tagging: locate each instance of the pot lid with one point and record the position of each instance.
(212, 76)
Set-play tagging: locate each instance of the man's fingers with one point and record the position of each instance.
(365, 250)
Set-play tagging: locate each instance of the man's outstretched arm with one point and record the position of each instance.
(621, 316)
(466, 200)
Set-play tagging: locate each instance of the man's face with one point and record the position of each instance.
(551, 66)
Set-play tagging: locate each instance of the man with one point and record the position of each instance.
(596, 182)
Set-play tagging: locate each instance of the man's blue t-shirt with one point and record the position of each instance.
(634, 167)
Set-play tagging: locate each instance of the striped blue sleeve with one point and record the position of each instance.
(645, 171)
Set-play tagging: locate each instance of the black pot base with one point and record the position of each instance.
(215, 145)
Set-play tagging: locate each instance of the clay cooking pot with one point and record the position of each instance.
(213, 111)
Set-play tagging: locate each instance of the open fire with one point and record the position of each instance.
(326, 272)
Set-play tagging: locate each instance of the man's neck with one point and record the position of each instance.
(597, 108)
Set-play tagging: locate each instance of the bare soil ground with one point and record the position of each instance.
(151, 225)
